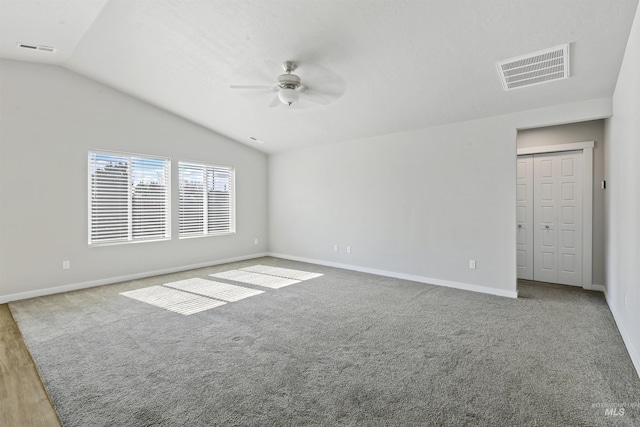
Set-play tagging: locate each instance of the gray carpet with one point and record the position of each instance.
(346, 348)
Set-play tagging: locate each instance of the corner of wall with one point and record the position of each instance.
(626, 338)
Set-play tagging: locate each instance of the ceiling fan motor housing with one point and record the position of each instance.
(289, 81)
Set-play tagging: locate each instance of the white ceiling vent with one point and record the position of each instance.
(37, 47)
(535, 68)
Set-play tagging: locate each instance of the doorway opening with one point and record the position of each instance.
(559, 211)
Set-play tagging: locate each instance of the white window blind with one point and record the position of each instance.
(206, 204)
(129, 198)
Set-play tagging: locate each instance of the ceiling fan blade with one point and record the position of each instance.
(276, 102)
(333, 84)
(318, 99)
(322, 97)
(251, 87)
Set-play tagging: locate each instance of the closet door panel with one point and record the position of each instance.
(570, 219)
(545, 201)
(557, 210)
(524, 217)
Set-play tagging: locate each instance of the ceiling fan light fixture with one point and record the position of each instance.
(288, 95)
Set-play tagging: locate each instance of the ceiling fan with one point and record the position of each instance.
(323, 89)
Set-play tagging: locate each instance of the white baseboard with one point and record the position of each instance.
(599, 288)
(633, 353)
(110, 280)
(421, 279)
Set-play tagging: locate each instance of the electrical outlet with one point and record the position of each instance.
(335, 248)
(348, 249)
(66, 265)
(625, 300)
(472, 264)
(255, 241)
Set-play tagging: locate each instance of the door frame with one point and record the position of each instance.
(587, 198)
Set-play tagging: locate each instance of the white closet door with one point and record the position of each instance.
(558, 218)
(524, 217)
(570, 220)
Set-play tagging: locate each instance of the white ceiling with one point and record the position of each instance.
(404, 64)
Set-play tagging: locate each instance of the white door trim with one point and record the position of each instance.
(571, 146)
(587, 198)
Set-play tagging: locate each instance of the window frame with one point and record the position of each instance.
(231, 169)
(130, 239)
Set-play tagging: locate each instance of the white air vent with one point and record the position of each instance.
(535, 68)
(37, 47)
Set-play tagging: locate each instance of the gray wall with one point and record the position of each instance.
(578, 132)
(622, 154)
(420, 203)
(50, 118)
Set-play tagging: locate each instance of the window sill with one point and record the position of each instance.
(206, 235)
(127, 242)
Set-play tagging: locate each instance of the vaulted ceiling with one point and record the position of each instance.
(391, 66)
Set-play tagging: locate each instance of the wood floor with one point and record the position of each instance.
(23, 401)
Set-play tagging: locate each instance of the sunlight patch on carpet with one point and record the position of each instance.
(267, 281)
(213, 289)
(195, 295)
(173, 300)
(282, 272)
